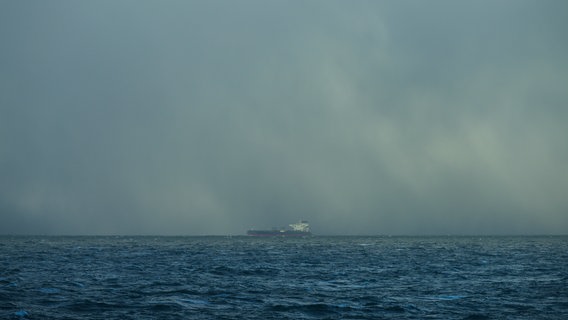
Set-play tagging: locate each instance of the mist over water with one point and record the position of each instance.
(198, 118)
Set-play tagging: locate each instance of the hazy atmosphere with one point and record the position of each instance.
(212, 117)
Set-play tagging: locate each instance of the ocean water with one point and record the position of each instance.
(312, 278)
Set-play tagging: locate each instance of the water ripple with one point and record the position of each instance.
(320, 277)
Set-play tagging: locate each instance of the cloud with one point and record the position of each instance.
(367, 118)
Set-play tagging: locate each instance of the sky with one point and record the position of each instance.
(213, 117)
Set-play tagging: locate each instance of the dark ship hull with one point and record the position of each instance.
(278, 233)
(300, 229)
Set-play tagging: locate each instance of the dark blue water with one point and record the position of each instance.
(315, 278)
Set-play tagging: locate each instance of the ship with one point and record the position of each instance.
(300, 229)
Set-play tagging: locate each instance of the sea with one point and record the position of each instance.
(239, 277)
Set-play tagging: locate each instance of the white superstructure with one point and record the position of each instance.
(302, 226)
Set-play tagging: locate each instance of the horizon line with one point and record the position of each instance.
(311, 236)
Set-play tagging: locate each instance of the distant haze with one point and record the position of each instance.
(212, 117)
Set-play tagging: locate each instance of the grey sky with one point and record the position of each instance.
(210, 117)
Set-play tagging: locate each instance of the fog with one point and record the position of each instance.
(212, 117)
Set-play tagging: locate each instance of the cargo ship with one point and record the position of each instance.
(300, 229)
